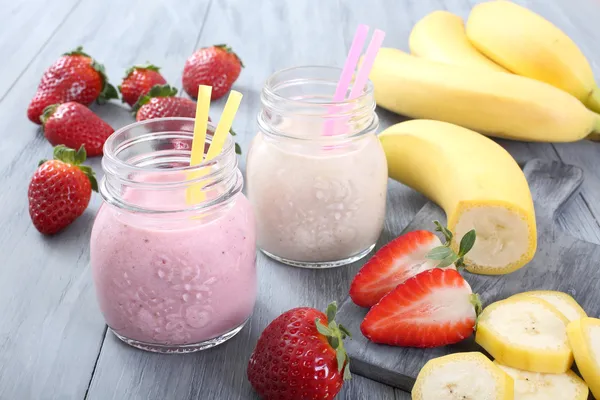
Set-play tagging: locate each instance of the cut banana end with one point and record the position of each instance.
(526, 333)
(468, 376)
(584, 338)
(537, 385)
(562, 301)
(505, 237)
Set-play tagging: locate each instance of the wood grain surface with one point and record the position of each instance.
(53, 341)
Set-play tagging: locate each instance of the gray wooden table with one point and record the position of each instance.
(53, 340)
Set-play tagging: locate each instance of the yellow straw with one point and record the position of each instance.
(194, 194)
(200, 124)
(220, 136)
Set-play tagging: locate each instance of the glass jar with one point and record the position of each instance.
(172, 276)
(316, 171)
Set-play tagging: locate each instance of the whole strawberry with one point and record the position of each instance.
(217, 66)
(161, 102)
(300, 356)
(73, 77)
(138, 81)
(60, 190)
(74, 125)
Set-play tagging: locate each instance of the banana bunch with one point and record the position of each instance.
(509, 73)
(534, 338)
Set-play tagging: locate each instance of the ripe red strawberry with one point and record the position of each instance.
(138, 81)
(400, 259)
(73, 77)
(217, 66)
(60, 190)
(431, 309)
(161, 102)
(74, 125)
(300, 356)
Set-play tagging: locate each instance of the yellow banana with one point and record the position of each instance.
(529, 45)
(494, 103)
(584, 338)
(440, 36)
(477, 183)
(462, 376)
(562, 301)
(525, 333)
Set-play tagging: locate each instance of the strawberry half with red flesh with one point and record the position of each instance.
(60, 190)
(400, 259)
(74, 125)
(300, 356)
(217, 66)
(73, 77)
(138, 81)
(434, 308)
(160, 102)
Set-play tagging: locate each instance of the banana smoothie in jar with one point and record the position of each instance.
(316, 171)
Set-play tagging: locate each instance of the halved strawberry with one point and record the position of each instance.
(402, 258)
(434, 308)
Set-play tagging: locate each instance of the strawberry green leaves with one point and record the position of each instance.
(70, 156)
(335, 334)
(156, 91)
(445, 254)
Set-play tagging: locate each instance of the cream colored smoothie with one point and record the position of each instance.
(316, 172)
(317, 206)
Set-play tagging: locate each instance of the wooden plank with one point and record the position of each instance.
(562, 263)
(25, 31)
(51, 329)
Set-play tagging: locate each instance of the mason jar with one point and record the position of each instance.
(316, 171)
(172, 276)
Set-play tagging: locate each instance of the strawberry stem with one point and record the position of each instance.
(76, 158)
(445, 254)
(47, 113)
(77, 52)
(476, 301)
(148, 66)
(335, 335)
(230, 50)
(155, 91)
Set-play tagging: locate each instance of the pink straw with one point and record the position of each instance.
(365, 69)
(351, 62)
(347, 72)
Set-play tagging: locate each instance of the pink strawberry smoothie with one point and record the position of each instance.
(172, 279)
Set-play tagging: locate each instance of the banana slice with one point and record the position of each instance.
(526, 333)
(562, 301)
(464, 376)
(539, 386)
(584, 338)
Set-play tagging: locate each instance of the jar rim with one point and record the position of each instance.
(110, 148)
(122, 172)
(270, 86)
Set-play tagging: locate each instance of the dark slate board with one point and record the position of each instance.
(561, 263)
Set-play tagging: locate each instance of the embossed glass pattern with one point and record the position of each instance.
(319, 198)
(165, 270)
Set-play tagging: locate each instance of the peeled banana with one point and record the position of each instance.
(584, 338)
(440, 36)
(562, 301)
(539, 386)
(477, 183)
(529, 45)
(526, 333)
(494, 103)
(462, 376)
